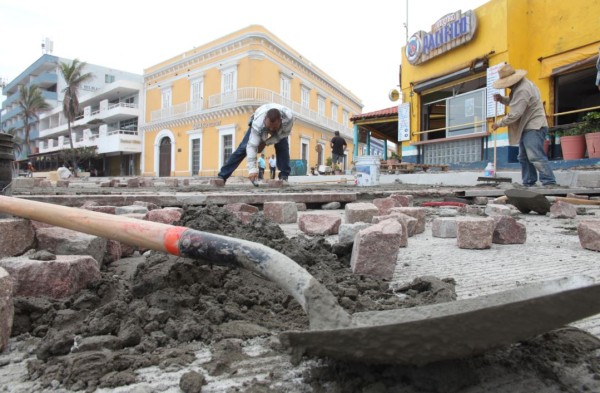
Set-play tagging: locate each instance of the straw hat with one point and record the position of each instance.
(508, 76)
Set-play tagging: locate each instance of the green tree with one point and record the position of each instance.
(17, 146)
(31, 103)
(74, 78)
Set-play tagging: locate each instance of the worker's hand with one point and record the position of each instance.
(261, 147)
(497, 97)
(253, 177)
(494, 126)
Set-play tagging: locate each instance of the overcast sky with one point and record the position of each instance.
(357, 45)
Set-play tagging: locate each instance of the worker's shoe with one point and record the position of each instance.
(283, 177)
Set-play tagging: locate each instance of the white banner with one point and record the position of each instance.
(404, 122)
(491, 77)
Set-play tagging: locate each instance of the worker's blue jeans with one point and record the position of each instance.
(533, 159)
(282, 152)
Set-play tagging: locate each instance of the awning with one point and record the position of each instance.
(566, 61)
(479, 66)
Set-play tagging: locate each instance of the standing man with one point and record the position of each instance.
(261, 167)
(338, 146)
(272, 165)
(271, 124)
(527, 124)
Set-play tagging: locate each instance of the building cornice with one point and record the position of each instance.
(201, 117)
(246, 40)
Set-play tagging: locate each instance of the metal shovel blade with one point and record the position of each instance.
(453, 330)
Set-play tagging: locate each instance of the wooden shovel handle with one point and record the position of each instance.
(145, 234)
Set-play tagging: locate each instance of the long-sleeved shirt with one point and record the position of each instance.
(526, 110)
(260, 134)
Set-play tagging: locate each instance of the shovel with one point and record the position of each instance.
(418, 335)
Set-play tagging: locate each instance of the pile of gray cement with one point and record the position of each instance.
(157, 315)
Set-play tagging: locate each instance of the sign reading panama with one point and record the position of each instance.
(447, 33)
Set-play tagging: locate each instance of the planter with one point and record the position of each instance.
(573, 147)
(592, 140)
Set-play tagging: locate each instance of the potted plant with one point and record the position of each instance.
(572, 143)
(590, 127)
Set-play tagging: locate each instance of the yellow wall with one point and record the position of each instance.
(258, 65)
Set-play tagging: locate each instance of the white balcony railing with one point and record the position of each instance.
(255, 95)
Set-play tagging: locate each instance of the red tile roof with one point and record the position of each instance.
(388, 112)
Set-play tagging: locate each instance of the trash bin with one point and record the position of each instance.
(298, 167)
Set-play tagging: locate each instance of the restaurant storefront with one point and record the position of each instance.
(447, 74)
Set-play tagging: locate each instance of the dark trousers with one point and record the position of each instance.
(282, 153)
(261, 173)
(272, 169)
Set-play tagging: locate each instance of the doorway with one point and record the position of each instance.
(164, 160)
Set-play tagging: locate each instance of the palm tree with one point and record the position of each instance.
(74, 78)
(17, 146)
(31, 103)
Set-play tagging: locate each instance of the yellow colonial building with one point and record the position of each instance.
(448, 72)
(197, 104)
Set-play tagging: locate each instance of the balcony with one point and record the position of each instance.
(247, 96)
(116, 141)
(107, 113)
(107, 140)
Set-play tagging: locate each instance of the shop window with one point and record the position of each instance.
(454, 110)
(575, 91)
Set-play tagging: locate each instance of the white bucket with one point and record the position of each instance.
(367, 170)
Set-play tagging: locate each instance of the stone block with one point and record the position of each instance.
(63, 241)
(402, 219)
(320, 224)
(403, 200)
(475, 233)
(375, 250)
(7, 310)
(166, 216)
(23, 182)
(417, 212)
(444, 227)
(385, 204)
(16, 236)
(45, 184)
(241, 207)
(508, 231)
(360, 212)
(133, 182)
(146, 182)
(589, 234)
(171, 182)
(56, 279)
(62, 183)
(131, 209)
(102, 209)
(562, 209)
(281, 212)
(113, 251)
(494, 209)
(331, 206)
(147, 205)
(347, 232)
(301, 206)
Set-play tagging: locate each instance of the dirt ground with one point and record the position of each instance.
(165, 324)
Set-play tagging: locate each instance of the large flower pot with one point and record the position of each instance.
(573, 147)
(592, 140)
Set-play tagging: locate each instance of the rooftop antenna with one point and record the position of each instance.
(47, 46)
